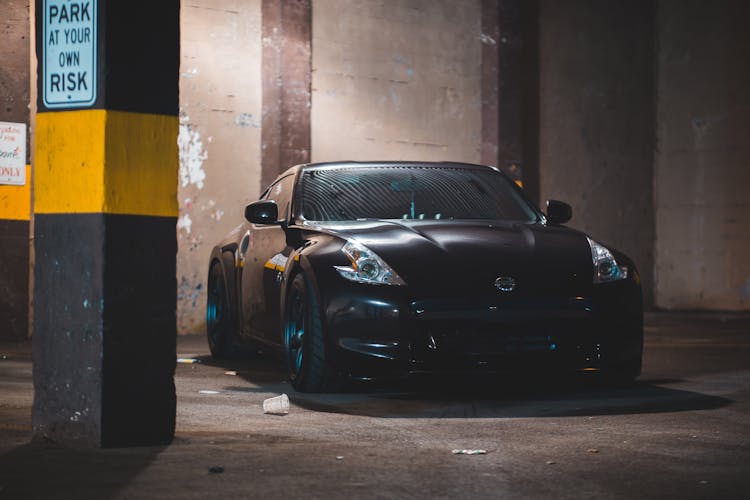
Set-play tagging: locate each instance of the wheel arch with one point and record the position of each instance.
(298, 263)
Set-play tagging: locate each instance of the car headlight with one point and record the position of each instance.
(367, 267)
(606, 268)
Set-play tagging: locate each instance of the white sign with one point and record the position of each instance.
(69, 53)
(13, 153)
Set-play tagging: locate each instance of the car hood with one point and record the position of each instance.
(468, 256)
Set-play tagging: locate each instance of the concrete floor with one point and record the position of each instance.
(682, 432)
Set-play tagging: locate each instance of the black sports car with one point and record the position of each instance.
(364, 270)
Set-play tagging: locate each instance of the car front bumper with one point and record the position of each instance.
(375, 331)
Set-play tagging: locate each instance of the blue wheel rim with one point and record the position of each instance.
(214, 310)
(294, 333)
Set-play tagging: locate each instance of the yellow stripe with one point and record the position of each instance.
(15, 201)
(273, 267)
(69, 162)
(142, 164)
(104, 161)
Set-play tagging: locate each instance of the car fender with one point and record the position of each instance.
(307, 259)
(298, 262)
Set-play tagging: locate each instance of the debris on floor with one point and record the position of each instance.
(592, 450)
(551, 462)
(278, 405)
(188, 361)
(469, 452)
(339, 457)
(231, 373)
(205, 391)
(215, 469)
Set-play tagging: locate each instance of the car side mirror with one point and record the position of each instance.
(558, 212)
(262, 212)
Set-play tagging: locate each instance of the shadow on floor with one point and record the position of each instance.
(42, 469)
(516, 395)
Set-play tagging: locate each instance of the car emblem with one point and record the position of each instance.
(505, 283)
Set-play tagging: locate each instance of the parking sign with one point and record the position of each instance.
(69, 53)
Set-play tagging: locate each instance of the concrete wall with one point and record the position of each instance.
(396, 80)
(596, 120)
(15, 200)
(702, 162)
(402, 79)
(391, 80)
(220, 115)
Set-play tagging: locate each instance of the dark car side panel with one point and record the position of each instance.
(258, 280)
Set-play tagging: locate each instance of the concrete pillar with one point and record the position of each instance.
(105, 214)
(702, 163)
(490, 37)
(596, 120)
(15, 178)
(502, 85)
(510, 89)
(285, 127)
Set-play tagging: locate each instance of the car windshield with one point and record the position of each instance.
(410, 192)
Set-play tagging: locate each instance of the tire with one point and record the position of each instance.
(623, 373)
(304, 343)
(219, 326)
(621, 376)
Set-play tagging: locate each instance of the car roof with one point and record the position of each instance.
(355, 164)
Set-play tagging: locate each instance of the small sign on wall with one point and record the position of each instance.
(69, 53)
(13, 153)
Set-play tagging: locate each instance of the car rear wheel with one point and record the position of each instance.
(218, 315)
(304, 344)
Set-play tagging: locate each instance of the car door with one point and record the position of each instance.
(263, 263)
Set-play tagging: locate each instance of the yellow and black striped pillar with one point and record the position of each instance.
(15, 207)
(105, 209)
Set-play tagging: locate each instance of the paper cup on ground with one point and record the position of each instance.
(276, 406)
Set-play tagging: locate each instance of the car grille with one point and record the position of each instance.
(471, 343)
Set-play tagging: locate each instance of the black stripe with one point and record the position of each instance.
(138, 56)
(14, 279)
(105, 324)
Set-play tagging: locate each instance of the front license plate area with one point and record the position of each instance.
(465, 344)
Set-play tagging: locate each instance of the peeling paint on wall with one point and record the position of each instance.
(217, 214)
(247, 120)
(184, 223)
(192, 154)
(191, 73)
(188, 292)
(219, 137)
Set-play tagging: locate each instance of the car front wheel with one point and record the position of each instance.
(304, 344)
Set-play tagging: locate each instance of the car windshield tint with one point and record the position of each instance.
(410, 192)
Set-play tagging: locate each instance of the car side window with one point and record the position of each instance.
(281, 193)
